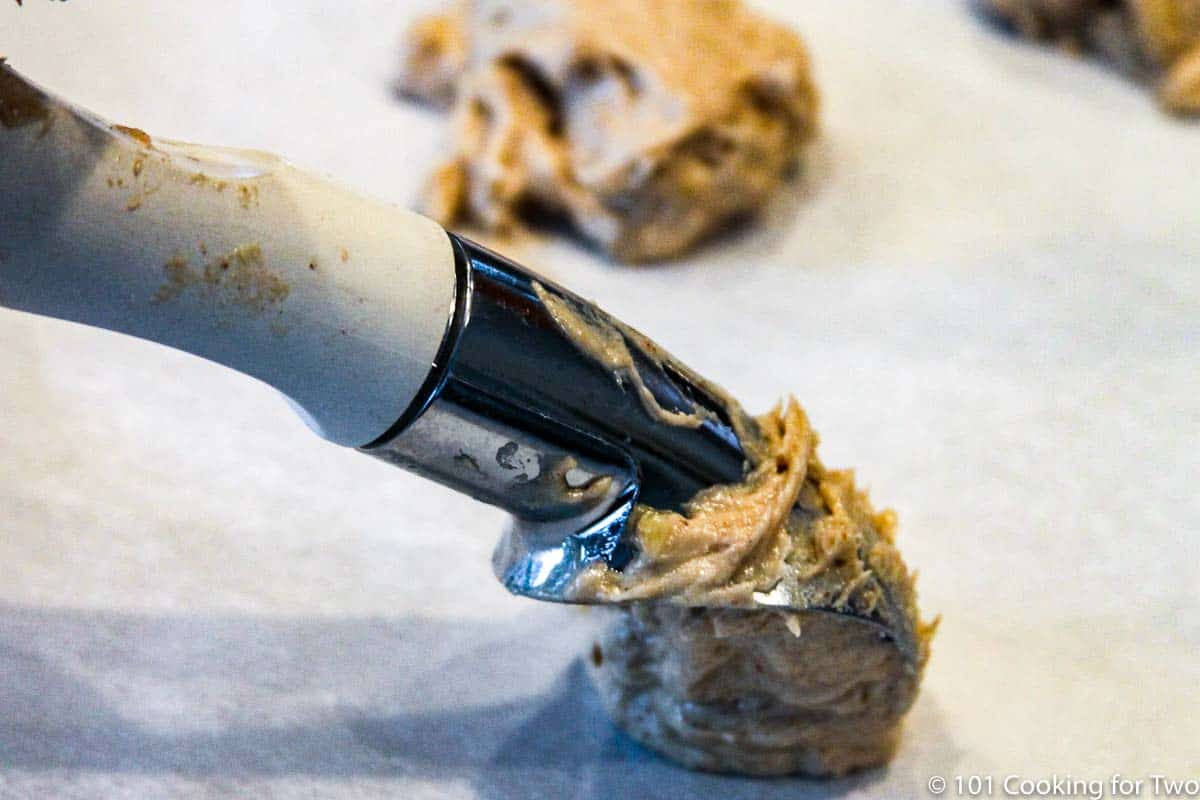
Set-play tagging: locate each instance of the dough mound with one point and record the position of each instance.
(727, 690)
(703, 666)
(1156, 41)
(647, 124)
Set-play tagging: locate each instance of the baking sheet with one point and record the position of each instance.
(984, 293)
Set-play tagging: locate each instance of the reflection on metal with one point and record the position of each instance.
(517, 415)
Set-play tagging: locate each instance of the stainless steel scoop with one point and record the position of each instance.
(514, 414)
(387, 333)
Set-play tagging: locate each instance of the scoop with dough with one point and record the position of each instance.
(768, 624)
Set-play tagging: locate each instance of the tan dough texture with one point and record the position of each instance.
(1157, 41)
(648, 124)
(704, 670)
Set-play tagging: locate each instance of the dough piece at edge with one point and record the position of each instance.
(1154, 41)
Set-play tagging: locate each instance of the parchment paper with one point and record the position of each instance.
(984, 292)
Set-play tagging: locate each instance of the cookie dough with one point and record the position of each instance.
(646, 124)
(1157, 41)
(771, 628)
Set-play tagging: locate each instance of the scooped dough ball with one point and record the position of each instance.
(755, 692)
(647, 124)
(772, 627)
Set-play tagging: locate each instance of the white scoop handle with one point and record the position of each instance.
(338, 301)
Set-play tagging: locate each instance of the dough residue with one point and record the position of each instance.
(647, 124)
(1157, 41)
(771, 628)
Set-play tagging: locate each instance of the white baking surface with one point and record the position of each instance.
(986, 296)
